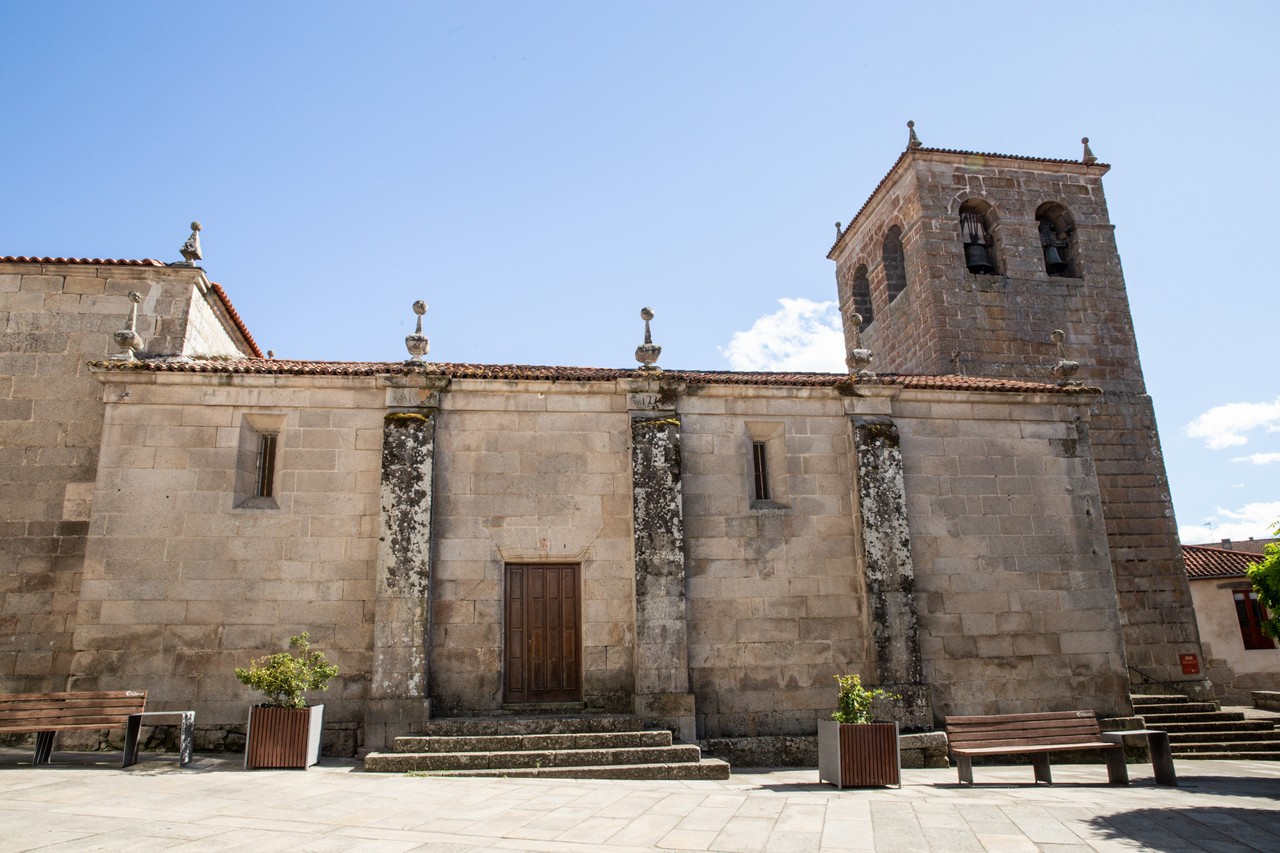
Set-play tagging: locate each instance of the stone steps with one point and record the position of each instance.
(1199, 733)
(586, 746)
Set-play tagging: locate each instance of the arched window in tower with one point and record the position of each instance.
(1058, 240)
(977, 233)
(895, 263)
(862, 295)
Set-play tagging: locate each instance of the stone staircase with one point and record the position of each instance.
(588, 746)
(1202, 730)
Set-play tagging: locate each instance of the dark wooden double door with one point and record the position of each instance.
(543, 637)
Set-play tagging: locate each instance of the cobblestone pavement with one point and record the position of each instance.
(85, 802)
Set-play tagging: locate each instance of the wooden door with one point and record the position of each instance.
(543, 641)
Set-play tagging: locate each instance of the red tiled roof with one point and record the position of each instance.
(1205, 562)
(120, 262)
(283, 367)
(908, 151)
(235, 318)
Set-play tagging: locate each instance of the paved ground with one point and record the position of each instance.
(85, 802)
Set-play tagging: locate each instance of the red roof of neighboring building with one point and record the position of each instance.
(145, 262)
(1205, 562)
(263, 366)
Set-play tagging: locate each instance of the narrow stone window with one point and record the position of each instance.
(978, 234)
(760, 467)
(258, 461)
(895, 262)
(266, 465)
(862, 295)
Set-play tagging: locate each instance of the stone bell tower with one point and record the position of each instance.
(965, 262)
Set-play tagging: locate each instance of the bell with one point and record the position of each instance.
(1053, 262)
(977, 259)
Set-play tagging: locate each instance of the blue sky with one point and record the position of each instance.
(537, 172)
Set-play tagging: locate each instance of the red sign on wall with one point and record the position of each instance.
(1190, 664)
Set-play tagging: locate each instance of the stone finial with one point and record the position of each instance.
(1064, 369)
(128, 339)
(859, 357)
(839, 230)
(271, 353)
(417, 343)
(913, 141)
(1088, 158)
(647, 353)
(191, 249)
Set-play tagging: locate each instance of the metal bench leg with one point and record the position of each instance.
(186, 738)
(44, 748)
(131, 730)
(1117, 770)
(1040, 761)
(964, 767)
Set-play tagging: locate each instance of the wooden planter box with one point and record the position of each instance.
(283, 737)
(858, 755)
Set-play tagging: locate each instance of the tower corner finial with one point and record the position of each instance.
(417, 343)
(191, 249)
(1088, 158)
(647, 353)
(913, 141)
(128, 339)
(1064, 369)
(858, 359)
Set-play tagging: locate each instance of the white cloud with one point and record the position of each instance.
(1225, 426)
(803, 336)
(1256, 520)
(1258, 458)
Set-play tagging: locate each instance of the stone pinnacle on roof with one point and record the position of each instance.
(128, 339)
(859, 357)
(839, 231)
(647, 353)
(913, 141)
(191, 249)
(1064, 369)
(417, 343)
(1088, 158)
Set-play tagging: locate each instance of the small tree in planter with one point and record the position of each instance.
(852, 749)
(285, 731)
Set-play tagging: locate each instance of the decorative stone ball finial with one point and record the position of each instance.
(417, 343)
(913, 141)
(647, 353)
(859, 358)
(1088, 158)
(191, 249)
(128, 339)
(1064, 369)
(839, 230)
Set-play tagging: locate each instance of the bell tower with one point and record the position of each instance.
(966, 262)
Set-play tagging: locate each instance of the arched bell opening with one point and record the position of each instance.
(1058, 240)
(862, 296)
(895, 262)
(979, 233)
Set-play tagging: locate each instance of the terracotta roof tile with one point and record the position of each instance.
(235, 318)
(284, 367)
(908, 151)
(120, 262)
(1205, 562)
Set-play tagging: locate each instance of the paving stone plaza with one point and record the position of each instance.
(85, 802)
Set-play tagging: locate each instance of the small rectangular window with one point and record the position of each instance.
(1251, 614)
(266, 465)
(760, 467)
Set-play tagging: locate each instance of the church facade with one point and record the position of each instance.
(703, 549)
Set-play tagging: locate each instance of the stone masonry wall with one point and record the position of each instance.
(53, 319)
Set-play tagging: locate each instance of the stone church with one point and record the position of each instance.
(961, 518)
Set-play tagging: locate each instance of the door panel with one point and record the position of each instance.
(542, 635)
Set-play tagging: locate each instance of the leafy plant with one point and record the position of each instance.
(284, 677)
(1265, 577)
(853, 703)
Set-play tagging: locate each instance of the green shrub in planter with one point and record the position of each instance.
(285, 677)
(853, 702)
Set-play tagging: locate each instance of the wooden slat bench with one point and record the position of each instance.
(45, 714)
(1037, 735)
